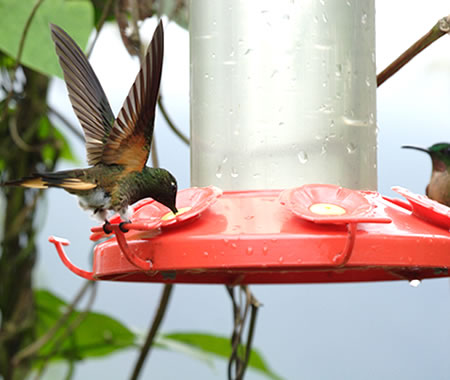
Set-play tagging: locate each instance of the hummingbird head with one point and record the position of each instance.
(166, 192)
(439, 153)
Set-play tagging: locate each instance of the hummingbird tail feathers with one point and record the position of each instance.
(46, 180)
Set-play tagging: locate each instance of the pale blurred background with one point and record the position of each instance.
(359, 331)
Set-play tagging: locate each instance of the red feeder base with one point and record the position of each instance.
(311, 234)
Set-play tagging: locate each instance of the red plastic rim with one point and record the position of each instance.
(332, 204)
(425, 208)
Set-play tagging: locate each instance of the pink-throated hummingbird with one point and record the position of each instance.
(439, 187)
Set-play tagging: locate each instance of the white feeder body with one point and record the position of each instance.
(283, 93)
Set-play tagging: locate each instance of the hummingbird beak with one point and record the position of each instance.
(416, 148)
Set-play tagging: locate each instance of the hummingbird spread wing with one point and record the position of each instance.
(130, 139)
(86, 94)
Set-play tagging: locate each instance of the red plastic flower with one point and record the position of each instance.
(330, 204)
(150, 214)
(426, 208)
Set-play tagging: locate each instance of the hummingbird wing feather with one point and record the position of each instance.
(67, 179)
(86, 94)
(130, 140)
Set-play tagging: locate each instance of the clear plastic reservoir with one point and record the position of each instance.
(283, 93)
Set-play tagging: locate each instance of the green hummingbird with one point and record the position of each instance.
(439, 187)
(117, 148)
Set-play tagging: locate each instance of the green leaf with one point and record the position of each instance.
(98, 334)
(217, 346)
(75, 17)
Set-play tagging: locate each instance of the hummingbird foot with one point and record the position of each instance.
(122, 228)
(107, 228)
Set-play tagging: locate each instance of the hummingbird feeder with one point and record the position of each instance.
(283, 120)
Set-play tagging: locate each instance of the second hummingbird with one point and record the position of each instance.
(439, 187)
(117, 148)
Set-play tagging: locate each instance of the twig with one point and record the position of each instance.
(154, 153)
(240, 362)
(100, 24)
(69, 330)
(19, 54)
(68, 124)
(439, 29)
(170, 123)
(251, 329)
(34, 347)
(145, 350)
(15, 136)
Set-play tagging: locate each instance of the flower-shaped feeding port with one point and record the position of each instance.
(330, 204)
(426, 208)
(148, 215)
(151, 215)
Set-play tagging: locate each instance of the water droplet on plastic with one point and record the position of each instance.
(234, 172)
(248, 51)
(316, 20)
(206, 76)
(219, 172)
(348, 2)
(302, 157)
(351, 148)
(206, 253)
(213, 55)
(364, 18)
(414, 283)
(275, 72)
(338, 71)
(368, 84)
(281, 259)
(249, 251)
(323, 149)
(371, 118)
(233, 245)
(265, 250)
(324, 18)
(332, 124)
(326, 108)
(225, 241)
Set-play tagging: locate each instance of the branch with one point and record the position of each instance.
(439, 29)
(68, 124)
(153, 330)
(99, 26)
(240, 362)
(171, 124)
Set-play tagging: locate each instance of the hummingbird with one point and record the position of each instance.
(439, 187)
(117, 148)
